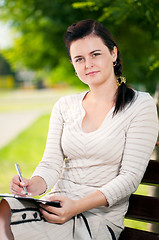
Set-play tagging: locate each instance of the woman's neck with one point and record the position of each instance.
(103, 93)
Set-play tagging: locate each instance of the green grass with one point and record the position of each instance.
(27, 150)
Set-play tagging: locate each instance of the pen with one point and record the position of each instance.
(20, 177)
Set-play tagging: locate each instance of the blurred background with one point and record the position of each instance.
(35, 71)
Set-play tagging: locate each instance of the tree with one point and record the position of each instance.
(5, 68)
(41, 26)
(135, 25)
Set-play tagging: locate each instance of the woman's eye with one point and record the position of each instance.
(79, 59)
(96, 54)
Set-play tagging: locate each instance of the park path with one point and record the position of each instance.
(19, 109)
(12, 123)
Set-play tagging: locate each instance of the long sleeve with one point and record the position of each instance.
(141, 137)
(51, 164)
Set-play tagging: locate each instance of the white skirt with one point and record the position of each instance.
(27, 223)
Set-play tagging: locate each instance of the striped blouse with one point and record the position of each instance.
(111, 159)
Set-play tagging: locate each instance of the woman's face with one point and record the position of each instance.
(92, 60)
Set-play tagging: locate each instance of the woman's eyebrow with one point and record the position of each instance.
(77, 56)
(98, 50)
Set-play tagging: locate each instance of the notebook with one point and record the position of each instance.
(31, 199)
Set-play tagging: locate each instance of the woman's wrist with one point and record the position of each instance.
(39, 185)
(91, 201)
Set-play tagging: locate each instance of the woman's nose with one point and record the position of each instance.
(89, 63)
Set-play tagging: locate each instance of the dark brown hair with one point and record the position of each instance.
(84, 28)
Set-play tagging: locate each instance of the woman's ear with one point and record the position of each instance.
(114, 53)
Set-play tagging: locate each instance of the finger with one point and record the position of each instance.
(52, 218)
(17, 193)
(52, 198)
(22, 193)
(53, 210)
(56, 198)
(15, 180)
(25, 182)
(16, 188)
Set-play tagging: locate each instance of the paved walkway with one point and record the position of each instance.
(15, 116)
(12, 123)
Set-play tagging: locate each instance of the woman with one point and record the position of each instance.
(98, 147)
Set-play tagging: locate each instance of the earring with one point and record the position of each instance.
(75, 73)
(114, 63)
(120, 80)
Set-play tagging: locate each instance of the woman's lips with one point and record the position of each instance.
(92, 73)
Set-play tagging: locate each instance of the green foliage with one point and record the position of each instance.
(41, 26)
(63, 73)
(85, 5)
(4, 67)
(135, 26)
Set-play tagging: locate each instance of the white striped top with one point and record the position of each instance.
(111, 159)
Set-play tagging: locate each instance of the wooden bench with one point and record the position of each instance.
(144, 208)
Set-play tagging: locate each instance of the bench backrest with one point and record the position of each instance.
(144, 208)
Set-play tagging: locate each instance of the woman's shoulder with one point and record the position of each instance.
(144, 97)
(69, 101)
(142, 100)
(71, 98)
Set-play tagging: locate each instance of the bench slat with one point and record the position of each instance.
(151, 175)
(134, 234)
(143, 208)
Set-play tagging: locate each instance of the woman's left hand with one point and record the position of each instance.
(70, 208)
(59, 215)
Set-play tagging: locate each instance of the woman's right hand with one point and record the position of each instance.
(35, 186)
(16, 186)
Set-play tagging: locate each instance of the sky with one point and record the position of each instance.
(5, 36)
